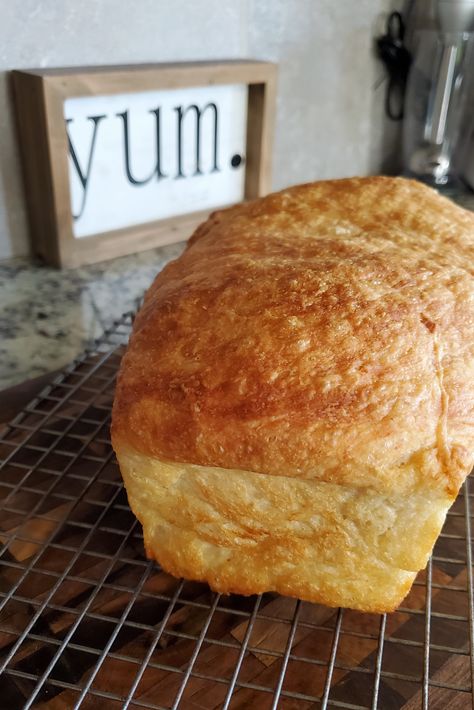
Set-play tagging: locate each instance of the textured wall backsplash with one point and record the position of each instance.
(329, 119)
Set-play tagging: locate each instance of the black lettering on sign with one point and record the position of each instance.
(126, 137)
(83, 175)
(188, 142)
(181, 113)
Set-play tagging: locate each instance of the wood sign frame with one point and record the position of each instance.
(39, 98)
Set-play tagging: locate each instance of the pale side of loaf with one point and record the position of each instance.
(295, 410)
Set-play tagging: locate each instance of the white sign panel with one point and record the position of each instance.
(135, 158)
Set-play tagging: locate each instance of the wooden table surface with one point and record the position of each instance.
(14, 399)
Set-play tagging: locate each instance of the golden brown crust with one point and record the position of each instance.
(322, 332)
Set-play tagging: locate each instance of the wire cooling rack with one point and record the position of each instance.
(86, 621)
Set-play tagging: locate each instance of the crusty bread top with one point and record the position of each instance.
(325, 331)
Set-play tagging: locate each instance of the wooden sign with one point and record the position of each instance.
(121, 159)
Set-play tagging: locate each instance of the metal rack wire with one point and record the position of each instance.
(86, 621)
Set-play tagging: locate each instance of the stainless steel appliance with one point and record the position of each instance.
(437, 95)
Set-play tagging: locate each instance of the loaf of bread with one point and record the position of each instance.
(295, 410)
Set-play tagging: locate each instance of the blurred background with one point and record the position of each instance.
(330, 116)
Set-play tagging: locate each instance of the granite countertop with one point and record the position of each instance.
(47, 316)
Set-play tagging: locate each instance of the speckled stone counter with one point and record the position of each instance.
(47, 317)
